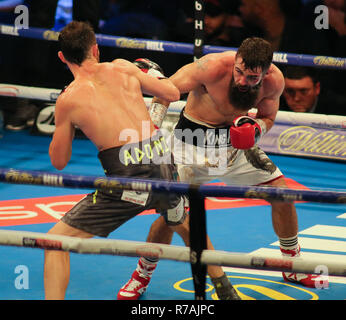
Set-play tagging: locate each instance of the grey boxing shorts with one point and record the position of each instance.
(103, 211)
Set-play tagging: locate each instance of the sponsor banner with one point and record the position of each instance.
(305, 140)
(52, 209)
(122, 42)
(45, 121)
(36, 210)
(324, 61)
(9, 30)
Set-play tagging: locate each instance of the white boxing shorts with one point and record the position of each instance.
(203, 153)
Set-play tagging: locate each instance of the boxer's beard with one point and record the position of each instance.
(243, 100)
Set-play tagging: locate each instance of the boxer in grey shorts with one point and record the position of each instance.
(105, 101)
(103, 211)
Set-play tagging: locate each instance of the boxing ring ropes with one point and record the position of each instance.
(196, 255)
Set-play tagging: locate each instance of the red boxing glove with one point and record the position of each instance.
(149, 67)
(245, 133)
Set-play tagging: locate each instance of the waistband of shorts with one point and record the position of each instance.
(132, 157)
(201, 134)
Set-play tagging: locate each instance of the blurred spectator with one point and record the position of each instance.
(19, 113)
(151, 19)
(303, 93)
(63, 14)
(43, 12)
(12, 108)
(337, 22)
(337, 17)
(292, 8)
(336, 33)
(284, 33)
(7, 9)
(223, 25)
(7, 16)
(41, 67)
(291, 35)
(214, 21)
(38, 66)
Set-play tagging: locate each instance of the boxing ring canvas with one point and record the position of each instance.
(234, 225)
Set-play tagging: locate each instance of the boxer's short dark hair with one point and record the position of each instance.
(75, 40)
(256, 53)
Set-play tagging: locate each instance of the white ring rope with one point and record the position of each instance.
(292, 118)
(168, 252)
(48, 94)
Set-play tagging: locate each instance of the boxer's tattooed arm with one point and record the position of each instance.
(202, 64)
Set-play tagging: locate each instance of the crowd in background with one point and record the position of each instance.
(289, 25)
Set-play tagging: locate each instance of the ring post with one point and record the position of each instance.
(198, 241)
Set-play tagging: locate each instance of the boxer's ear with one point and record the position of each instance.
(95, 51)
(61, 57)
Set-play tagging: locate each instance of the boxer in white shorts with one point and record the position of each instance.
(200, 158)
(222, 88)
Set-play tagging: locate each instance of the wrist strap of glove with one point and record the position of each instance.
(157, 113)
(263, 126)
(156, 73)
(246, 119)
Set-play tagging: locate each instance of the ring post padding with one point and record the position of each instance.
(198, 243)
(199, 29)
